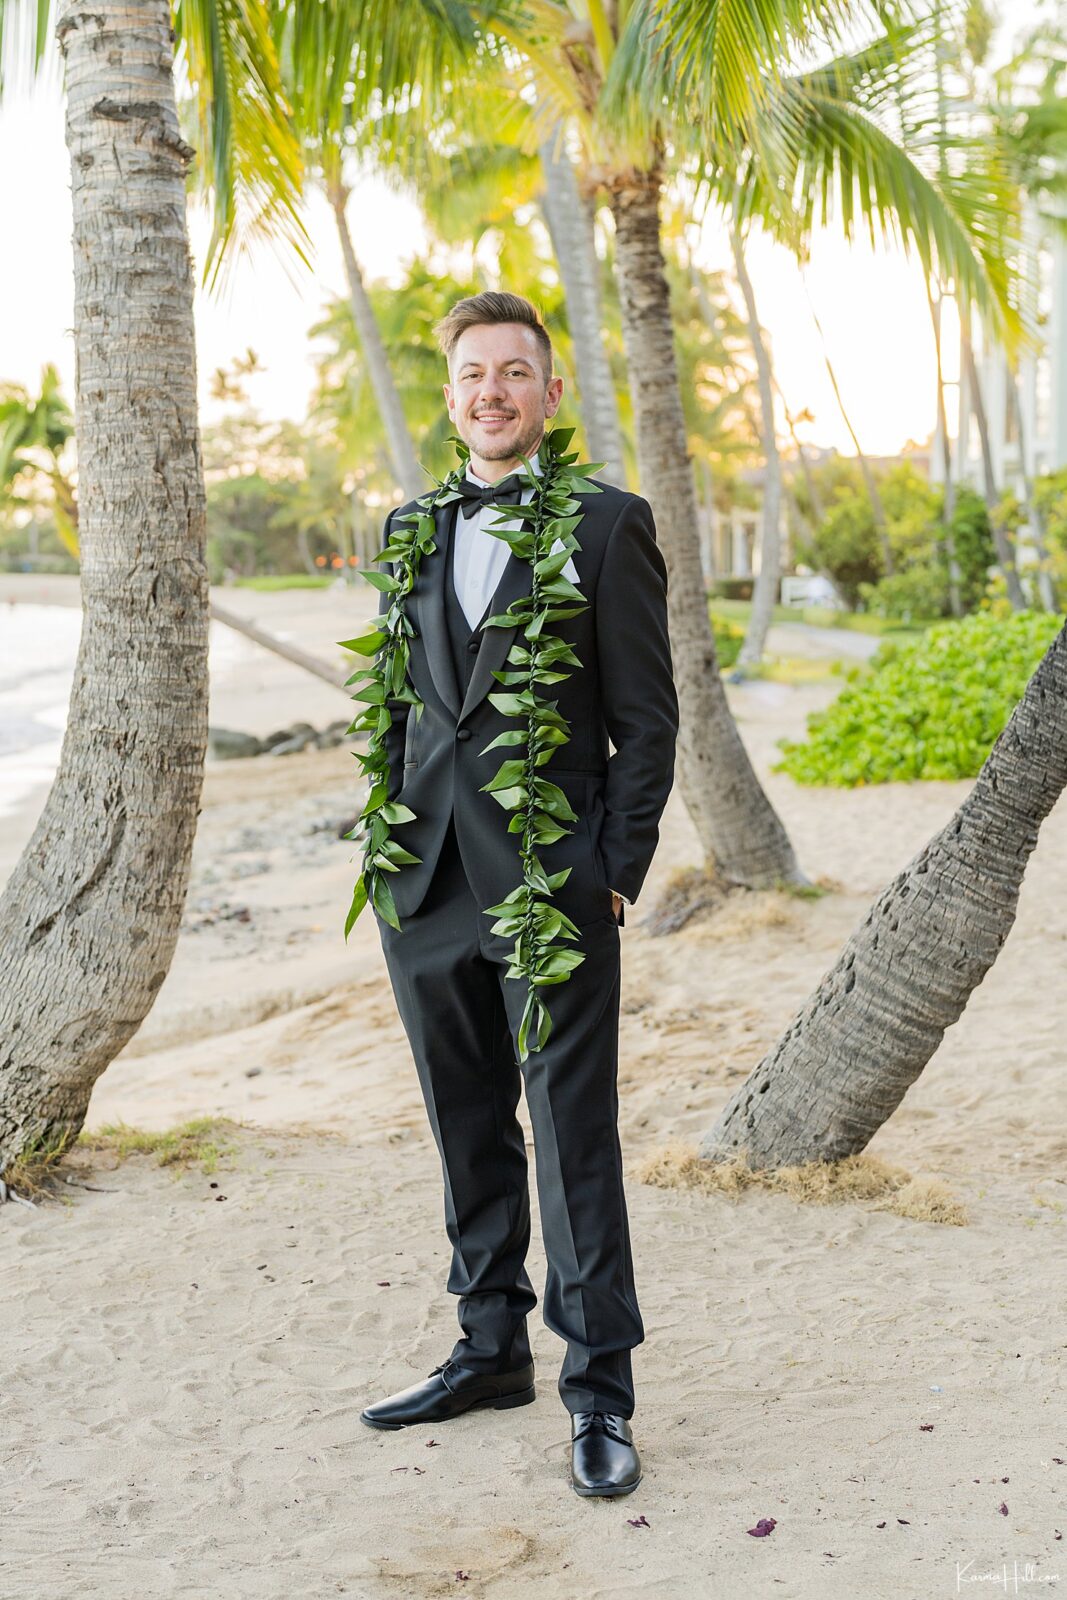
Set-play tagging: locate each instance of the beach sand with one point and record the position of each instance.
(187, 1353)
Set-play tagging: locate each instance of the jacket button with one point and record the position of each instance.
(473, 645)
(463, 733)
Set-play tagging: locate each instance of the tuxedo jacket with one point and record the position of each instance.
(623, 693)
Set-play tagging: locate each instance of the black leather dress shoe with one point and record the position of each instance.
(448, 1392)
(604, 1458)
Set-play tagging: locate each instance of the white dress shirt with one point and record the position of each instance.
(479, 558)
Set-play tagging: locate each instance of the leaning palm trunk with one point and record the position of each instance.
(765, 592)
(90, 916)
(846, 1060)
(405, 464)
(569, 217)
(1001, 542)
(736, 824)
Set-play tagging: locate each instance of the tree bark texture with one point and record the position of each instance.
(765, 592)
(570, 221)
(410, 476)
(847, 1059)
(90, 915)
(739, 830)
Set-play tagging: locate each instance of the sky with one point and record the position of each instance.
(871, 302)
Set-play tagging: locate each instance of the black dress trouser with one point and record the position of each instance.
(461, 1016)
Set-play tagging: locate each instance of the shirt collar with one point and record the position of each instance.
(534, 462)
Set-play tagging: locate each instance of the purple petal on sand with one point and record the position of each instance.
(639, 1522)
(904, 1523)
(1002, 1508)
(879, 1524)
(926, 1427)
(763, 1527)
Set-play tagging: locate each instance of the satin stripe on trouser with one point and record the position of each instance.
(462, 1016)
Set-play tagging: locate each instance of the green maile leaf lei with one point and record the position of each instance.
(540, 810)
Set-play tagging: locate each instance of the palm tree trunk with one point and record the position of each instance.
(765, 592)
(738, 828)
(847, 1059)
(948, 505)
(304, 551)
(569, 218)
(409, 474)
(90, 915)
(709, 561)
(1002, 544)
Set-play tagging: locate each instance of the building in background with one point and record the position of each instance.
(1039, 445)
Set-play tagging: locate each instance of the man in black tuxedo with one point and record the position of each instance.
(447, 968)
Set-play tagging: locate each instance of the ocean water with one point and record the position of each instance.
(38, 650)
(38, 653)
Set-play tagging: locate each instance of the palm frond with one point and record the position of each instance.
(26, 32)
(712, 62)
(252, 168)
(864, 141)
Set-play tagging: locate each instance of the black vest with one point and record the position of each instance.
(463, 640)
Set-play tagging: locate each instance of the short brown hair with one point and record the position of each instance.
(492, 307)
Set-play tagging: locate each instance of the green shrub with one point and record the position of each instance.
(846, 546)
(932, 709)
(918, 593)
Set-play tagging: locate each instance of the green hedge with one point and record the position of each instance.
(932, 709)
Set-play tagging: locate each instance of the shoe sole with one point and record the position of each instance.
(504, 1402)
(607, 1493)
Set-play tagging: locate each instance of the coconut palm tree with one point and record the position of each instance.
(844, 144)
(765, 589)
(559, 54)
(640, 85)
(90, 915)
(850, 1054)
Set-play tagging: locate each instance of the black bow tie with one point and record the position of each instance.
(476, 495)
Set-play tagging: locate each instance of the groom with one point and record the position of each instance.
(447, 967)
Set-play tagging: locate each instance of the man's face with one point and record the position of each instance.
(499, 398)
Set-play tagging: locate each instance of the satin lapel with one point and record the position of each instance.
(515, 580)
(431, 603)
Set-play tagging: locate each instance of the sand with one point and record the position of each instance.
(183, 1372)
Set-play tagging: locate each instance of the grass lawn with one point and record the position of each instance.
(268, 582)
